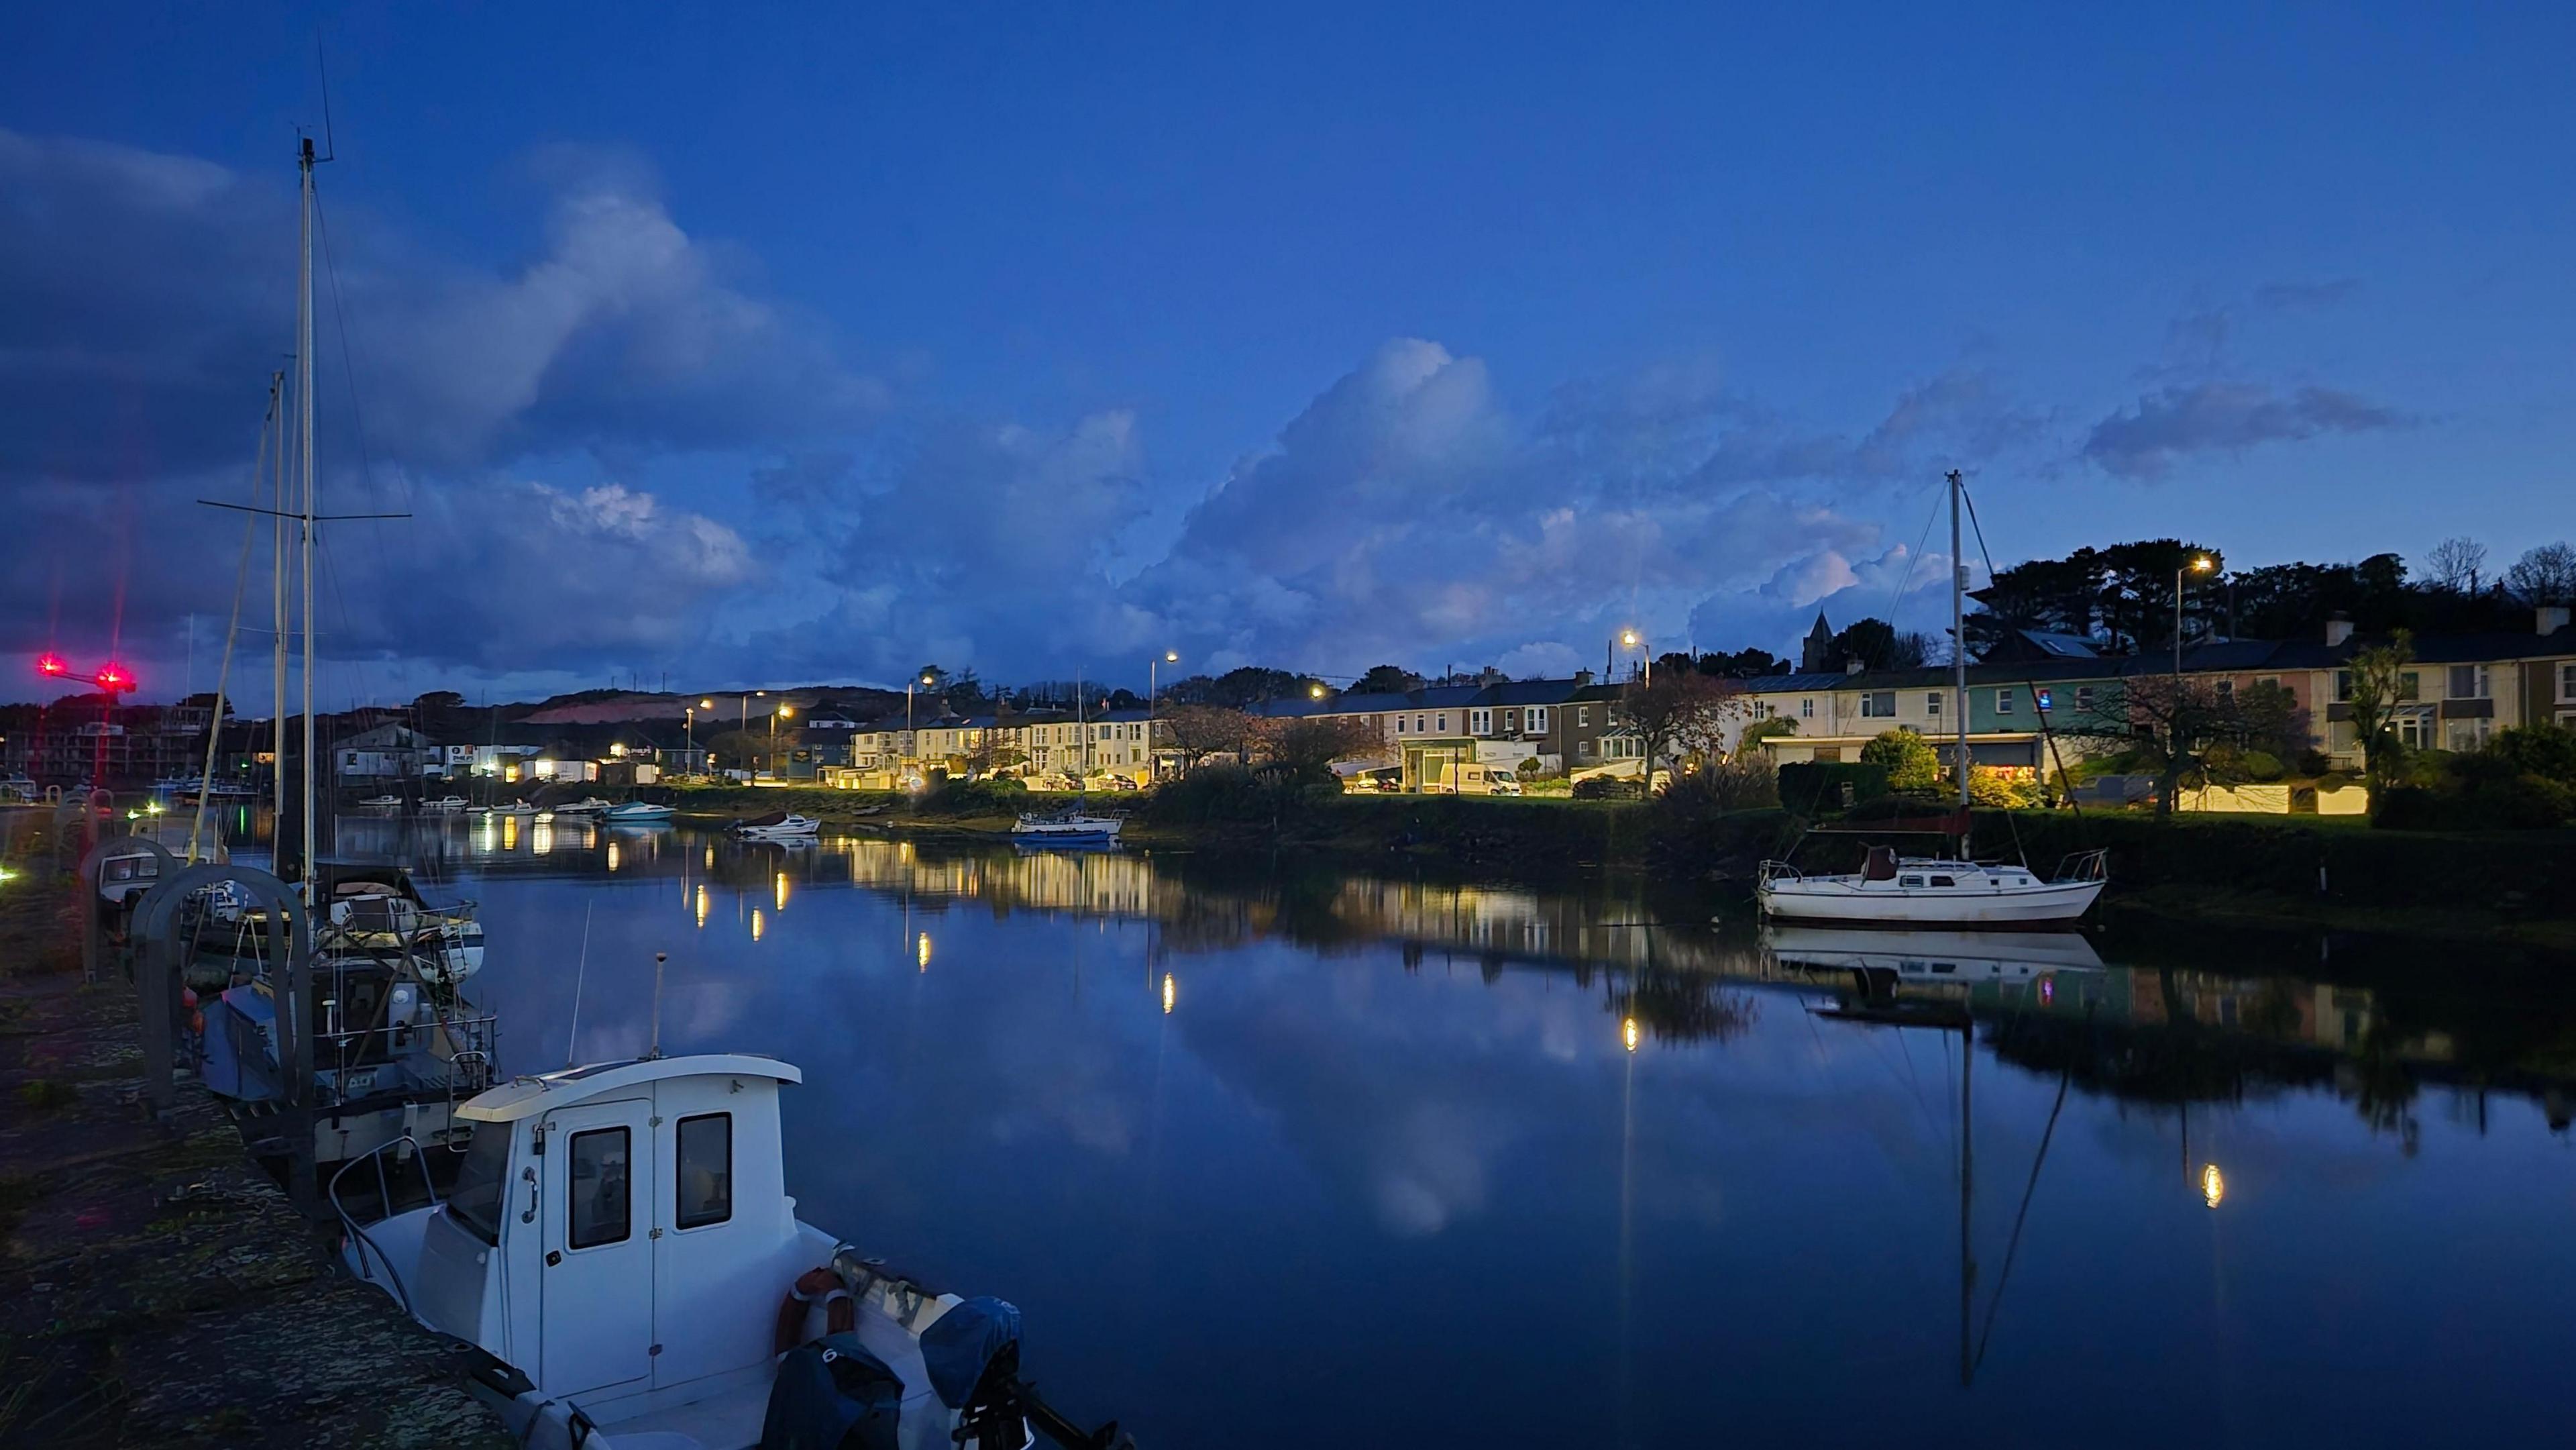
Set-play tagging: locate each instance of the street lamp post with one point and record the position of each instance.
(689, 725)
(1637, 642)
(1153, 682)
(2200, 564)
(924, 679)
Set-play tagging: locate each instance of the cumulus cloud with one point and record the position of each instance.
(2146, 438)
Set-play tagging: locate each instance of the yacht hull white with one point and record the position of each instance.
(1850, 899)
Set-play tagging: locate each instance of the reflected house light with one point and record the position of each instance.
(1628, 1033)
(702, 906)
(781, 893)
(612, 856)
(921, 951)
(757, 924)
(1168, 994)
(711, 858)
(2213, 1184)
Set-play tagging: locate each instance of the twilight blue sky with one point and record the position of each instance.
(763, 348)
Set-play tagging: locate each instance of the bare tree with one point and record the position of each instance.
(2545, 575)
(1308, 747)
(1681, 713)
(2458, 564)
(2188, 730)
(1203, 730)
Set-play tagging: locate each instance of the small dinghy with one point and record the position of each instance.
(621, 1252)
(777, 826)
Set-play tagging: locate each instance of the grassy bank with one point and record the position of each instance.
(161, 1290)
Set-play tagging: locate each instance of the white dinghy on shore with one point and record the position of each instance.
(621, 1248)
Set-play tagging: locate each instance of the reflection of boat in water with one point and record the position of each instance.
(621, 1242)
(1066, 828)
(381, 802)
(1926, 978)
(777, 826)
(443, 805)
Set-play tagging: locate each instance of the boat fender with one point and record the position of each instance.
(814, 1286)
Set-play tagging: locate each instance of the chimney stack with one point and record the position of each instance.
(1853, 667)
(2338, 629)
(1582, 678)
(2551, 618)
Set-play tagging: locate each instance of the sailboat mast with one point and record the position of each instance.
(277, 572)
(1959, 641)
(273, 423)
(304, 401)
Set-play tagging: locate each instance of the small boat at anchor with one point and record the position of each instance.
(587, 806)
(510, 808)
(442, 805)
(636, 813)
(777, 826)
(1066, 828)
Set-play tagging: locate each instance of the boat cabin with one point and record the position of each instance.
(608, 1221)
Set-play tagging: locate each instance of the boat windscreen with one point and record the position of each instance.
(476, 1201)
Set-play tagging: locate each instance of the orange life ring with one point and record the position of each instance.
(840, 1311)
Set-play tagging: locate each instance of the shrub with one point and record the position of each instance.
(953, 796)
(1988, 786)
(1912, 766)
(1233, 793)
(2315, 764)
(2548, 751)
(1607, 788)
(1747, 782)
(1811, 786)
(2261, 766)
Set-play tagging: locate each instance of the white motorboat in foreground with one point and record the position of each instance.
(777, 826)
(1066, 829)
(620, 1243)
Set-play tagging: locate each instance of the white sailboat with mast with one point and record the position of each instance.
(1953, 890)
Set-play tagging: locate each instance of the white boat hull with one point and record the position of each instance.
(1850, 899)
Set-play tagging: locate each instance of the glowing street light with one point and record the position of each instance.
(2200, 564)
(1631, 639)
(1315, 691)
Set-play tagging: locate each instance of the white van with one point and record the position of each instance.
(1466, 777)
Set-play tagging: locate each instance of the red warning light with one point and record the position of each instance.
(114, 678)
(51, 664)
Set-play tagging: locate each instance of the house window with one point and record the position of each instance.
(2415, 729)
(705, 1182)
(1417, 726)
(2468, 682)
(2409, 685)
(2003, 702)
(1932, 704)
(1583, 748)
(2083, 697)
(1480, 722)
(1399, 724)
(2343, 684)
(2226, 692)
(1538, 720)
(2267, 679)
(2042, 701)
(1878, 704)
(599, 1205)
(1807, 707)
(1583, 713)
(1444, 723)
(2567, 680)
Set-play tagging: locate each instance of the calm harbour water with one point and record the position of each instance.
(1273, 1155)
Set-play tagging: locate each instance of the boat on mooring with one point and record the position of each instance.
(621, 1253)
(587, 806)
(777, 826)
(636, 813)
(1066, 828)
(1937, 890)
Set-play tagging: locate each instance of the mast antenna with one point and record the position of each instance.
(656, 1050)
(573, 1036)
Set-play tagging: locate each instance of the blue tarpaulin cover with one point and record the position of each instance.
(832, 1395)
(958, 1345)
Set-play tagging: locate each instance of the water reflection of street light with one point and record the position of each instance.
(702, 906)
(1169, 994)
(921, 951)
(2213, 1184)
(757, 924)
(1628, 1033)
(782, 891)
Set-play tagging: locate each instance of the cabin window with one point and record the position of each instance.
(1944, 881)
(601, 1206)
(475, 1202)
(1909, 880)
(706, 1171)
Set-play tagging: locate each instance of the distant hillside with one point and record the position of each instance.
(614, 707)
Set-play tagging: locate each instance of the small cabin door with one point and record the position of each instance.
(598, 1275)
